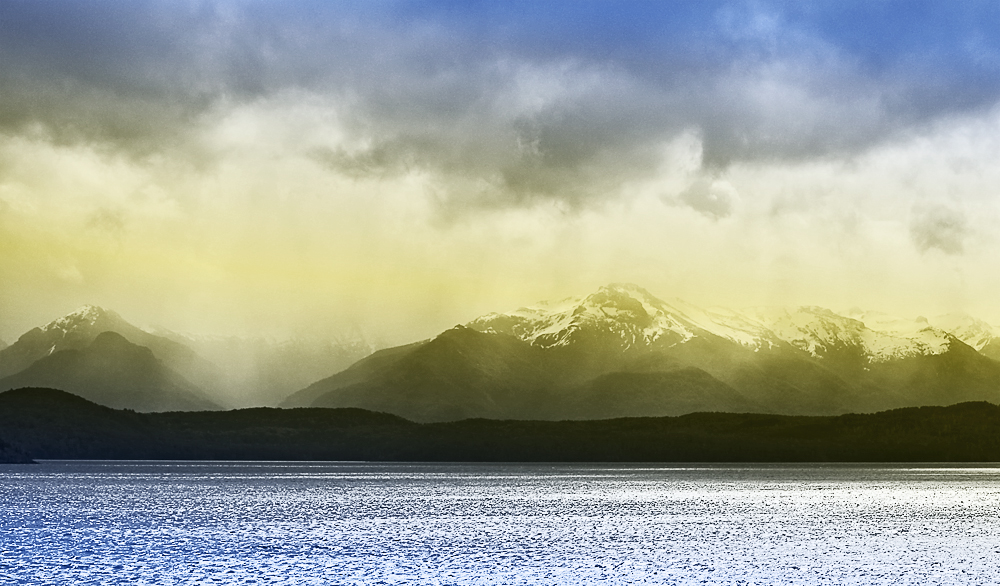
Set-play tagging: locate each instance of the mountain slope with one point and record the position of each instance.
(457, 375)
(991, 349)
(79, 329)
(960, 374)
(112, 371)
(358, 372)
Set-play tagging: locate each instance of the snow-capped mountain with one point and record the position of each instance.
(619, 351)
(72, 331)
(641, 320)
(65, 331)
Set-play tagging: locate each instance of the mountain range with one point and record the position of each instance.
(618, 352)
(623, 352)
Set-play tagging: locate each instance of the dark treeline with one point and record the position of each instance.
(45, 423)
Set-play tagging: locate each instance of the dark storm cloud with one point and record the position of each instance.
(506, 102)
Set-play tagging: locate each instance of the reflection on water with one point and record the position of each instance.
(351, 523)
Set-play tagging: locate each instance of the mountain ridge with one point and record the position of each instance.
(810, 328)
(617, 349)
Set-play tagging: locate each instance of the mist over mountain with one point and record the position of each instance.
(258, 371)
(228, 371)
(624, 352)
(114, 372)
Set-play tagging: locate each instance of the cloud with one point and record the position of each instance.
(68, 273)
(710, 197)
(269, 237)
(504, 105)
(939, 228)
(108, 221)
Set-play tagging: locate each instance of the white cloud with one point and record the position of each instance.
(267, 236)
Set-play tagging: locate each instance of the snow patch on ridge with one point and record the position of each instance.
(974, 332)
(903, 337)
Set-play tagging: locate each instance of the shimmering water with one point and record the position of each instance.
(323, 523)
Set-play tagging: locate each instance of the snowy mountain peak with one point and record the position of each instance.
(625, 310)
(618, 292)
(621, 303)
(85, 317)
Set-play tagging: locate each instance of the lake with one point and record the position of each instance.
(102, 522)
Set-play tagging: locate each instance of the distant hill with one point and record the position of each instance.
(113, 372)
(622, 351)
(45, 423)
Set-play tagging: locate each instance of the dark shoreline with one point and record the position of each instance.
(50, 424)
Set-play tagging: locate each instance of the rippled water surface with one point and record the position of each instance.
(324, 523)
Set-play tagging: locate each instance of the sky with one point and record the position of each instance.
(391, 169)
